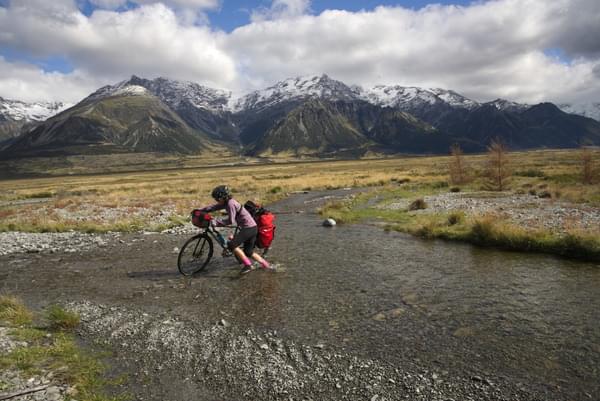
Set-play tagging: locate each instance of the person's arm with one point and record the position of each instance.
(212, 208)
(230, 207)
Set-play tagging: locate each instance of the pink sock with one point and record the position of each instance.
(246, 261)
(265, 264)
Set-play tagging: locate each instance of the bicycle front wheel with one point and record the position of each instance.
(195, 254)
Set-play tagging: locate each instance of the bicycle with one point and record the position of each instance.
(198, 250)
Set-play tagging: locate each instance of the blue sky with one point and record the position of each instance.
(236, 13)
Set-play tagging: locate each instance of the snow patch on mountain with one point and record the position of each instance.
(16, 110)
(590, 110)
(403, 96)
(134, 90)
(173, 93)
(318, 86)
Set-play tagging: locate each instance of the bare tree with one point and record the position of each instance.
(457, 167)
(497, 173)
(587, 168)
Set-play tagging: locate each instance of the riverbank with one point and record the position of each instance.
(41, 359)
(507, 220)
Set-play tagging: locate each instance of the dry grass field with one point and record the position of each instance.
(162, 198)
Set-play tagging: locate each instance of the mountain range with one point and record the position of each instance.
(314, 115)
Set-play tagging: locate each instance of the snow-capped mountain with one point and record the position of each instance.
(15, 110)
(171, 92)
(590, 110)
(404, 97)
(507, 105)
(326, 88)
(312, 86)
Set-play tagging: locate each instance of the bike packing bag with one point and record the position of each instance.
(266, 229)
(201, 219)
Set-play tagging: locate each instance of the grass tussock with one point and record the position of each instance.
(61, 319)
(417, 204)
(14, 312)
(58, 352)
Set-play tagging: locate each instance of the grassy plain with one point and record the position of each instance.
(162, 198)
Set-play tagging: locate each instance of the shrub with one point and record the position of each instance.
(455, 189)
(456, 217)
(530, 173)
(417, 204)
(401, 180)
(545, 194)
(275, 190)
(61, 319)
(532, 192)
(439, 184)
(483, 229)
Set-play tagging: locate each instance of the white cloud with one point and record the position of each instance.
(109, 4)
(188, 11)
(22, 81)
(486, 50)
(281, 9)
(148, 41)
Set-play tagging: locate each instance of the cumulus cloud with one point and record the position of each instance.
(22, 81)
(484, 50)
(149, 41)
(490, 49)
(188, 11)
(281, 9)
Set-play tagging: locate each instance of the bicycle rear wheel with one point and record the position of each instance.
(195, 254)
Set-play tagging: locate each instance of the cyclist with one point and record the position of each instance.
(246, 236)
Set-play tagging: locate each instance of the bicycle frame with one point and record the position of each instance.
(217, 236)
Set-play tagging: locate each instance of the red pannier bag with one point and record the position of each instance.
(266, 229)
(201, 219)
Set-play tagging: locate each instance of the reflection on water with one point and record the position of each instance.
(388, 295)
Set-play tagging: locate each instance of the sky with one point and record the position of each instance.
(522, 50)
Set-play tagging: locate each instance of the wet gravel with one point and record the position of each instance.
(238, 363)
(69, 242)
(525, 210)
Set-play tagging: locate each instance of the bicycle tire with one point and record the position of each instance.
(194, 256)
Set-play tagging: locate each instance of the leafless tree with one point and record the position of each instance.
(587, 165)
(457, 167)
(497, 171)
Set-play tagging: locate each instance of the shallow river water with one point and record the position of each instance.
(528, 316)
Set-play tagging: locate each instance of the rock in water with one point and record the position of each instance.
(329, 223)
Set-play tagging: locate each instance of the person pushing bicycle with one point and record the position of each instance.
(246, 235)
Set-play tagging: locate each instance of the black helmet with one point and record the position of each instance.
(221, 192)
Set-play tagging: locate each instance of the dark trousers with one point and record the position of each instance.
(246, 236)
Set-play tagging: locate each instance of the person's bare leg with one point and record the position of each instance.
(263, 263)
(242, 257)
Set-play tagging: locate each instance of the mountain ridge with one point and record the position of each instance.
(308, 115)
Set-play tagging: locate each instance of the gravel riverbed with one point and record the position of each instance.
(527, 211)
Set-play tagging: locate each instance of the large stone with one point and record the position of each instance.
(329, 223)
